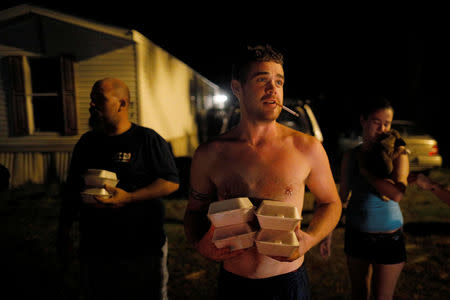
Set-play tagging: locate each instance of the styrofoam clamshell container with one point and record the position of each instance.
(102, 173)
(95, 181)
(276, 242)
(231, 211)
(278, 215)
(88, 195)
(237, 236)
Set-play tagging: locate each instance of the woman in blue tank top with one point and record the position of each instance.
(374, 242)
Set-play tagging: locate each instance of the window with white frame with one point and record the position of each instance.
(42, 96)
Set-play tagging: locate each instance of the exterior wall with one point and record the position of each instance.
(165, 102)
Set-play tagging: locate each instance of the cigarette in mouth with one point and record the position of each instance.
(288, 110)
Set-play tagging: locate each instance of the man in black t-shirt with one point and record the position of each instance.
(123, 246)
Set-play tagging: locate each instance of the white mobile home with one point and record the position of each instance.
(49, 62)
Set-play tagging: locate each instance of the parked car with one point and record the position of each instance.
(306, 122)
(422, 148)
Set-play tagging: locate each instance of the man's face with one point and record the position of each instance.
(261, 91)
(104, 109)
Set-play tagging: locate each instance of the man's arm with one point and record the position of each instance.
(344, 191)
(197, 227)
(159, 159)
(158, 188)
(427, 184)
(328, 204)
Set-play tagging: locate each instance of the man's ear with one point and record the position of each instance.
(123, 103)
(236, 88)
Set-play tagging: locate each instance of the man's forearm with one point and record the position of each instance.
(325, 218)
(196, 224)
(158, 188)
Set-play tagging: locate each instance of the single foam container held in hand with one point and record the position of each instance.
(278, 215)
(276, 242)
(89, 195)
(231, 211)
(95, 181)
(237, 236)
(102, 173)
(98, 178)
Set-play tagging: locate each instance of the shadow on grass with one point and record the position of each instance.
(427, 228)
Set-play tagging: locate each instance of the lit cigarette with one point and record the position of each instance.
(288, 110)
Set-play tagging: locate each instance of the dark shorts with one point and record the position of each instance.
(377, 248)
(289, 286)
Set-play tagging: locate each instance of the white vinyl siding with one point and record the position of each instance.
(118, 64)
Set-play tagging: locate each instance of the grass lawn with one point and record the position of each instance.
(28, 221)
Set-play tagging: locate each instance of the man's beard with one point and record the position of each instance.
(98, 124)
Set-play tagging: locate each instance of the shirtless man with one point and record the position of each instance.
(261, 159)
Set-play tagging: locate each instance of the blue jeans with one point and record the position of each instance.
(289, 286)
(143, 277)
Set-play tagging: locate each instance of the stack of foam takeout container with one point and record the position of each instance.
(277, 221)
(231, 219)
(95, 180)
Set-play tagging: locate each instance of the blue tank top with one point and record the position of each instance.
(366, 211)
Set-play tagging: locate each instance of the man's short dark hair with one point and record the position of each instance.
(243, 59)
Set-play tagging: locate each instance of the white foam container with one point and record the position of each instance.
(237, 236)
(278, 215)
(276, 242)
(231, 211)
(96, 181)
(88, 195)
(102, 173)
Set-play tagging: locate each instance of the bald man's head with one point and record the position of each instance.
(110, 99)
(114, 86)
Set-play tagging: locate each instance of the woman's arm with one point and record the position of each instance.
(344, 189)
(392, 188)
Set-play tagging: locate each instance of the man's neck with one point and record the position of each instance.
(119, 129)
(257, 132)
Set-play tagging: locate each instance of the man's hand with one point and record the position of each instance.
(118, 197)
(325, 247)
(207, 248)
(420, 180)
(304, 241)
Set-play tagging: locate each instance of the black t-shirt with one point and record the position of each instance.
(138, 157)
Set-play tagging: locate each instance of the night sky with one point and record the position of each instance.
(333, 55)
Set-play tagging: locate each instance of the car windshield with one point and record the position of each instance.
(408, 129)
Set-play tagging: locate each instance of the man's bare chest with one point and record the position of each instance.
(271, 175)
